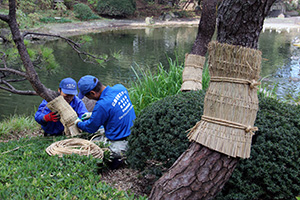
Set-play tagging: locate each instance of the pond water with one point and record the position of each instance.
(146, 48)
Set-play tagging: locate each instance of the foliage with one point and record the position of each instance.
(53, 20)
(28, 172)
(149, 88)
(83, 12)
(116, 8)
(15, 124)
(159, 137)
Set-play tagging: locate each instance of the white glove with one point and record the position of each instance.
(86, 116)
(77, 120)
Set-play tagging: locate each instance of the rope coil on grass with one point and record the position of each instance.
(77, 146)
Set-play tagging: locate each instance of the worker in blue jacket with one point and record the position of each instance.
(113, 110)
(50, 120)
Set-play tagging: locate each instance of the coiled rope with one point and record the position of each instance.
(77, 146)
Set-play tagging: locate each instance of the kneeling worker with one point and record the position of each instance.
(50, 120)
(113, 110)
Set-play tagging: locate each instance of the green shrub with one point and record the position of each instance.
(116, 8)
(83, 12)
(272, 172)
(53, 20)
(159, 133)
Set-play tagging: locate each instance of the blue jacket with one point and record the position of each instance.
(114, 111)
(56, 128)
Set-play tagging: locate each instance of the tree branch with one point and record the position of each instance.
(4, 18)
(75, 46)
(12, 89)
(14, 71)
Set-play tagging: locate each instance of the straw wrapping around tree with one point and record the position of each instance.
(231, 102)
(192, 73)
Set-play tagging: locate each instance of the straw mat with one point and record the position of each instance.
(67, 114)
(231, 102)
(192, 72)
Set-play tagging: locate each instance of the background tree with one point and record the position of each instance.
(200, 172)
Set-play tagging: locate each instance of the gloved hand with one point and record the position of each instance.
(52, 117)
(86, 116)
(77, 120)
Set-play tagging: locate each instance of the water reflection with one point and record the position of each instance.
(280, 65)
(146, 48)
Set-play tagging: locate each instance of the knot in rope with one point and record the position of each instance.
(250, 129)
(253, 84)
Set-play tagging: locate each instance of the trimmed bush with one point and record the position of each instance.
(83, 12)
(272, 172)
(116, 8)
(158, 136)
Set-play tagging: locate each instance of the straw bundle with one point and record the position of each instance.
(192, 72)
(231, 102)
(67, 114)
(76, 146)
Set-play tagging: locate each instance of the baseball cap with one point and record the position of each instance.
(86, 84)
(68, 86)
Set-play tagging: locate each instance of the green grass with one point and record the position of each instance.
(28, 172)
(16, 124)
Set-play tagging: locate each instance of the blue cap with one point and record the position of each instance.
(68, 86)
(86, 84)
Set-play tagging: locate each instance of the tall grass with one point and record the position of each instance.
(16, 124)
(149, 87)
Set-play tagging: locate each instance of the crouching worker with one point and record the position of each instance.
(113, 110)
(50, 120)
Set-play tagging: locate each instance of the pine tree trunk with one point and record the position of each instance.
(200, 173)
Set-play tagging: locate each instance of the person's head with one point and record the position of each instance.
(90, 87)
(68, 89)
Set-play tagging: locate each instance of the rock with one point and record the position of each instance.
(149, 20)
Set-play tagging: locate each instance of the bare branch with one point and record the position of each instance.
(75, 46)
(52, 35)
(15, 80)
(5, 40)
(3, 59)
(12, 89)
(14, 71)
(4, 17)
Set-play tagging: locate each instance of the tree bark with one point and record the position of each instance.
(206, 27)
(200, 173)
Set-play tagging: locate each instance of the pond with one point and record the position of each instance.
(146, 48)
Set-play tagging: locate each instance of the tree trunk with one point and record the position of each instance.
(32, 76)
(200, 173)
(206, 27)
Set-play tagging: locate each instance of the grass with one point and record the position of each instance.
(149, 87)
(16, 124)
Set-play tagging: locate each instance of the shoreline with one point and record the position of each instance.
(97, 26)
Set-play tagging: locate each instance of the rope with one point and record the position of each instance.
(190, 79)
(252, 83)
(77, 146)
(248, 129)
